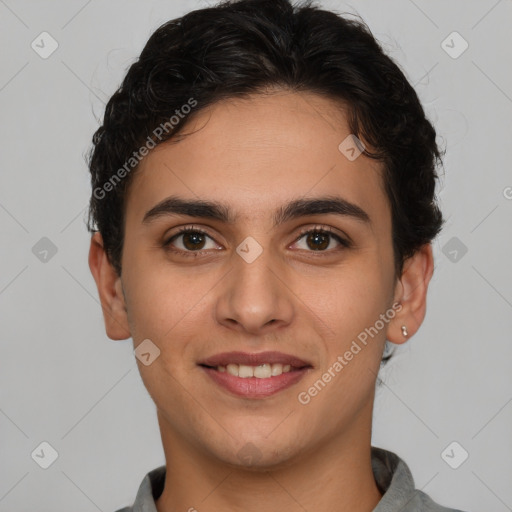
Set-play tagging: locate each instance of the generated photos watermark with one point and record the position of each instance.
(304, 397)
(137, 156)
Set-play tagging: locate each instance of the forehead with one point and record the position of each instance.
(257, 153)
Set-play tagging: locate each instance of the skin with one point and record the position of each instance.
(255, 155)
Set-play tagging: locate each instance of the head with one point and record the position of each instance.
(249, 110)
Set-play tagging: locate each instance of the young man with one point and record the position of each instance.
(263, 206)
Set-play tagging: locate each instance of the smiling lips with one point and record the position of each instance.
(255, 375)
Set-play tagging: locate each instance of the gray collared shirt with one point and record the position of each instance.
(391, 473)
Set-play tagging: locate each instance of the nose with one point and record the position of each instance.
(254, 298)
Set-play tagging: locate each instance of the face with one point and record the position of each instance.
(282, 271)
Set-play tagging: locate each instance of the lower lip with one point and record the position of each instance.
(253, 387)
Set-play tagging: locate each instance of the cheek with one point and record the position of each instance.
(170, 307)
(154, 307)
(347, 300)
(350, 306)
(159, 297)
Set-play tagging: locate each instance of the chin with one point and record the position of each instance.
(258, 455)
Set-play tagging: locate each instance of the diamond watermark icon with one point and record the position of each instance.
(44, 45)
(454, 455)
(454, 249)
(351, 147)
(44, 455)
(454, 45)
(146, 352)
(249, 454)
(44, 250)
(249, 249)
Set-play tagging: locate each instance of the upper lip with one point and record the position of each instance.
(257, 359)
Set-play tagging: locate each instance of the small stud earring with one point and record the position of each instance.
(404, 331)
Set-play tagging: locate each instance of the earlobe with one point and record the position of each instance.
(411, 293)
(110, 291)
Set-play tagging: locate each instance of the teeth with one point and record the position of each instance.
(232, 369)
(245, 371)
(263, 371)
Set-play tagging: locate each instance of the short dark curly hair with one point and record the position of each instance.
(245, 47)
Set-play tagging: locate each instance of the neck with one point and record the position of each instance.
(336, 476)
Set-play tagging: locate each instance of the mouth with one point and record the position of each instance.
(255, 375)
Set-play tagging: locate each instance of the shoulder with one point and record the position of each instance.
(149, 490)
(395, 481)
(425, 503)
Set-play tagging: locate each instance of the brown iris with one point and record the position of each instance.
(319, 240)
(193, 240)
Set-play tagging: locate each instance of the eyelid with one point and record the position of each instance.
(342, 239)
(187, 229)
(323, 229)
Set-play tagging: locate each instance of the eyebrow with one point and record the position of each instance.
(294, 209)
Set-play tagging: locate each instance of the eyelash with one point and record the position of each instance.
(191, 229)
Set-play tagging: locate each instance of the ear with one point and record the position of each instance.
(411, 293)
(110, 291)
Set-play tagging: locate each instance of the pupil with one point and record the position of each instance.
(195, 239)
(318, 238)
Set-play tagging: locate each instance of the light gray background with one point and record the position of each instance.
(64, 382)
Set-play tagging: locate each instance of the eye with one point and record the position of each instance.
(320, 239)
(190, 239)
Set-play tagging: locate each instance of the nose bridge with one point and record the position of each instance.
(254, 296)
